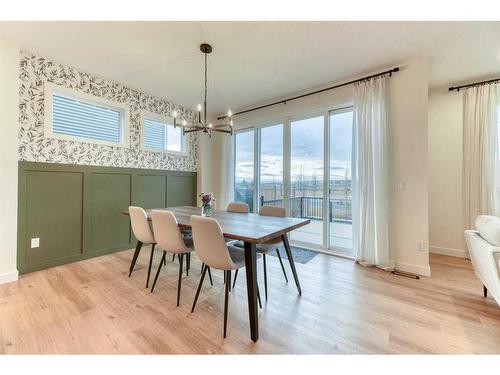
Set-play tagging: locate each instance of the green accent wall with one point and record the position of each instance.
(76, 210)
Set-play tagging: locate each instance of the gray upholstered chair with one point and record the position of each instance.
(169, 238)
(142, 231)
(270, 246)
(213, 251)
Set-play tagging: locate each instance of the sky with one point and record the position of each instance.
(306, 149)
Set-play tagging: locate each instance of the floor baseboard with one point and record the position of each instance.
(459, 253)
(9, 277)
(412, 268)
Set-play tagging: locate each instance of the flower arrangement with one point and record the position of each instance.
(207, 203)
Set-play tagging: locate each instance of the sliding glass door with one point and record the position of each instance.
(244, 181)
(271, 166)
(291, 165)
(306, 178)
(340, 189)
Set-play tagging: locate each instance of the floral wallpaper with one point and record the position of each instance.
(33, 146)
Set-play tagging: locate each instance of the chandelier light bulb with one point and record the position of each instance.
(231, 122)
(174, 114)
(184, 122)
(210, 125)
(229, 113)
(199, 107)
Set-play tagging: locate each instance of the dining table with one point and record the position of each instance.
(251, 229)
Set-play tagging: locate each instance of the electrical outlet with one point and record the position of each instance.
(35, 242)
(399, 186)
(420, 246)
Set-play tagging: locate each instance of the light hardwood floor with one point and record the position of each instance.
(93, 307)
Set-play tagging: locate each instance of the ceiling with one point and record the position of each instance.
(253, 62)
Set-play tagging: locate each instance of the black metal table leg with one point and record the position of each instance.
(251, 272)
(292, 263)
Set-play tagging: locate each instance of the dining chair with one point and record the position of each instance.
(212, 249)
(270, 246)
(142, 231)
(235, 207)
(169, 238)
(238, 207)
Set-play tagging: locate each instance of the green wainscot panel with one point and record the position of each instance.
(150, 191)
(181, 190)
(110, 196)
(54, 202)
(76, 211)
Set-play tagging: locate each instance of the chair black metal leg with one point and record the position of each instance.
(202, 267)
(187, 264)
(225, 277)
(189, 261)
(265, 274)
(134, 258)
(282, 266)
(199, 288)
(179, 282)
(165, 261)
(209, 275)
(258, 297)
(235, 276)
(159, 269)
(228, 286)
(173, 258)
(150, 264)
(292, 263)
(485, 292)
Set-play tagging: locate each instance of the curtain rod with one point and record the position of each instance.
(284, 101)
(474, 84)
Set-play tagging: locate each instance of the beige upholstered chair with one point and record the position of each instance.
(213, 251)
(235, 207)
(239, 207)
(142, 231)
(270, 246)
(169, 238)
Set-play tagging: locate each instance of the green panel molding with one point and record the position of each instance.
(76, 210)
(110, 196)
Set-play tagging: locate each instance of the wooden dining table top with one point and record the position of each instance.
(253, 228)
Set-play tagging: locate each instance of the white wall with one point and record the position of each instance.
(408, 139)
(408, 122)
(9, 110)
(446, 228)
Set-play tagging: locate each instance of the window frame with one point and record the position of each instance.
(286, 118)
(168, 120)
(124, 110)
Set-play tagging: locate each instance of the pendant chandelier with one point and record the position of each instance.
(202, 125)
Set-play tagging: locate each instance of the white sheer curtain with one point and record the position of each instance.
(481, 177)
(226, 172)
(370, 174)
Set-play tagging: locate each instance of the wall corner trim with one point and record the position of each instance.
(8, 277)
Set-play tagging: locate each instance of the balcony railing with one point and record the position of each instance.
(312, 208)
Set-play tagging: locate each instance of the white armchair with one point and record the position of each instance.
(484, 249)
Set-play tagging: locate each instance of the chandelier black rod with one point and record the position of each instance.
(284, 101)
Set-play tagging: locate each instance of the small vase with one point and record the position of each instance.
(206, 210)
